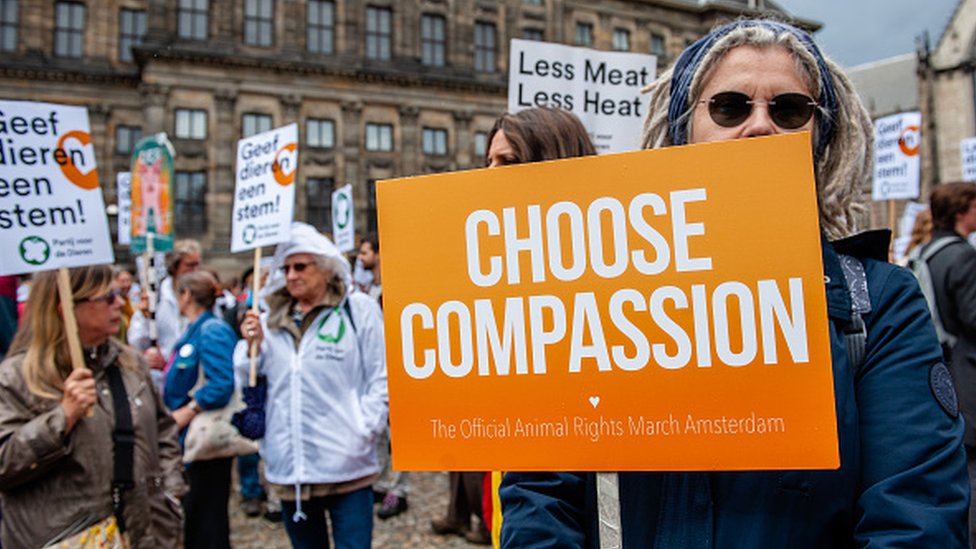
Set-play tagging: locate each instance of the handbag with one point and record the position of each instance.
(211, 435)
(104, 534)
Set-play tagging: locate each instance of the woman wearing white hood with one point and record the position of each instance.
(321, 350)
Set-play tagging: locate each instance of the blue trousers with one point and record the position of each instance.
(351, 515)
(247, 470)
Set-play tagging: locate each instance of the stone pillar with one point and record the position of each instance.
(154, 100)
(221, 199)
(410, 154)
(291, 106)
(352, 147)
(98, 125)
(463, 147)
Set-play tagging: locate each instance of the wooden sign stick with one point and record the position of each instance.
(256, 286)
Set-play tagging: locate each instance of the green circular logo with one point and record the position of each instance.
(34, 250)
(341, 210)
(334, 337)
(250, 233)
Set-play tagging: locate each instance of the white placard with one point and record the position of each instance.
(52, 214)
(343, 219)
(967, 148)
(601, 88)
(897, 141)
(907, 222)
(264, 196)
(123, 193)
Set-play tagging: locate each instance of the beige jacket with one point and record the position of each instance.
(53, 484)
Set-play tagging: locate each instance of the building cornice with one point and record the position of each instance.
(78, 73)
(354, 69)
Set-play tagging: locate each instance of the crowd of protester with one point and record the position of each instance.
(165, 361)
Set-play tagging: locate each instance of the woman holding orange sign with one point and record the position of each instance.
(902, 478)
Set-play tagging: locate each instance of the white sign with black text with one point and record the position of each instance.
(264, 198)
(123, 193)
(897, 140)
(52, 214)
(601, 88)
(967, 148)
(343, 219)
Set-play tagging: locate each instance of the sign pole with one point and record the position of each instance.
(892, 222)
(255, 285)
(151, 278)
(70, 323)
(608, 508)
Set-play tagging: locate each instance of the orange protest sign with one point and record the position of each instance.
(656, 310)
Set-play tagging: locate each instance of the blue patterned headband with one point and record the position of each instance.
(690, 60)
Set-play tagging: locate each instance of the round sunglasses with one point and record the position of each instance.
(788, 110)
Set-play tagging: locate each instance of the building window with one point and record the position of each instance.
(320, 133)
(657, 45)
(433, 40)
(532, 2)
(535, 35)
(191, 124)
(259, 22)
(321, 26)
(584, 34)
(434, 141)
(8, 25)
(132, 29)
(126, 138)
(194, 19)
(480, 146)
(318, 203)
(379, 33)
(69, 29)
(484, 47)
(379, 137)
(190, 205)
(621, 39)
(254, 123)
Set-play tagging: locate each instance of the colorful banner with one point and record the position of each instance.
(656, 310)
(264, 198)
(343, 219)
(123, 194)
(152, 193)
(602, 88)
(897, 141)
(52, 214)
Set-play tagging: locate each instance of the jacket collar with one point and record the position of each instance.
(865, 245)
(193, 328)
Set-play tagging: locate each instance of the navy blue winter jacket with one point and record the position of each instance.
(902, 481)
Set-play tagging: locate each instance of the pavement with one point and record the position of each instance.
(409, 530)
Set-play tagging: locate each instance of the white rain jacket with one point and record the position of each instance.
(327, 396)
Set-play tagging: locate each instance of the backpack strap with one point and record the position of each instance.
(920, 267)
(123, 444)
(856, 332)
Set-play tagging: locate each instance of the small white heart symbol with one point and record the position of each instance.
(594, 401)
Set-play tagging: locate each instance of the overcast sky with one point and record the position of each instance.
(859, 31)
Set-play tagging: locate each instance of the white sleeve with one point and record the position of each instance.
(374, 399)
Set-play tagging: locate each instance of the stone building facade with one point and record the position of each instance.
(947, 96)
(379, 89)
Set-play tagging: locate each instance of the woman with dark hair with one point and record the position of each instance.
(537, 134)
(201, 377)
(57, 472)
(902, 478)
